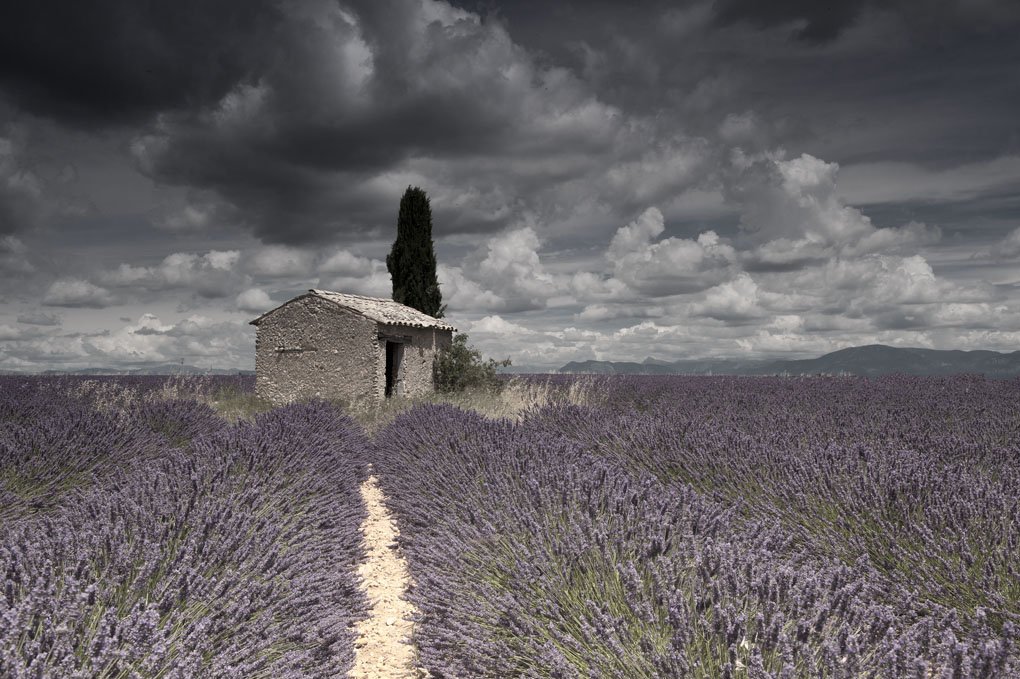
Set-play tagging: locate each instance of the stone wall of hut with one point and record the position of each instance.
(313, 348)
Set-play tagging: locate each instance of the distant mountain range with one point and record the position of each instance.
(870, 360)
(874, 359)
(163, 369)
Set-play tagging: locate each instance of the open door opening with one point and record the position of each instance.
(394, 354)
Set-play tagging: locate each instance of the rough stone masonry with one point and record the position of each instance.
(334, 345)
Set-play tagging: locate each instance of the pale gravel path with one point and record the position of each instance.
(382, 650)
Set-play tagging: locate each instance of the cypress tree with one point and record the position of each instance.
(412, 261)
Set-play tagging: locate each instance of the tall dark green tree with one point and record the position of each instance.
(412, 261)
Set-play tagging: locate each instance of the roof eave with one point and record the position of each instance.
(419, 327)
(315, 293)
(444, 326)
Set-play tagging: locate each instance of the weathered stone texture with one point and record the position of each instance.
(314, 348)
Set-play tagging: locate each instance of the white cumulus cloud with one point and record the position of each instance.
(496, 325)
(669, 266)
(792, 210)
(254, 300)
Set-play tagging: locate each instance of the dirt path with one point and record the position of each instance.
(381, 650)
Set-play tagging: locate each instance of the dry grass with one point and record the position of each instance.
(110, 395)
(518, 396)
(234, 404)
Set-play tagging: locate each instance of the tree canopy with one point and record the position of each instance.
(412, 260)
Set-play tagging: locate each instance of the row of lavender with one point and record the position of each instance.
(153, 539)
(921, 475)
(718, 527)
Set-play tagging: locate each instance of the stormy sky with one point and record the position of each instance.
(727, 178)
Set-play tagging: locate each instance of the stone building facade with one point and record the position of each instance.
(347, 347)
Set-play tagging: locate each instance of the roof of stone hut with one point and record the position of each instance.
(384, 311)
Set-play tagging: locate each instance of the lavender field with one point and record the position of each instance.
(673, 527)
(149, 538)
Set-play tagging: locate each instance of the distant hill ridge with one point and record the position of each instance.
(870, 360)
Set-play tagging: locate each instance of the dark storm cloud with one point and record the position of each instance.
(303, 122)
(108, 62)
(291, 115)
(20, 191)
(18, 209)
(821, 22)
(38, 317)
(353, 91)
(932, 83)
(77, 293)
(752, 262)
(889, 79)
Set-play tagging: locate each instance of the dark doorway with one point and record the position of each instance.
(394, 352)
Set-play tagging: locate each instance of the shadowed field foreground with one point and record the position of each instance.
(631, 527)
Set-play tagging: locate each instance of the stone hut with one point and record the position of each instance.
(337, 346)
